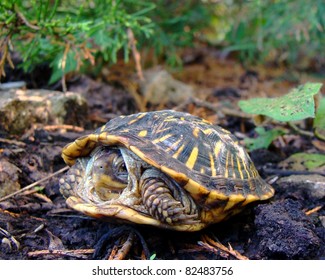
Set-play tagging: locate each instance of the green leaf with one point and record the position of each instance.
(319, 121)
(153, 256)
(264, 139)
(304, 161)
(298, 104)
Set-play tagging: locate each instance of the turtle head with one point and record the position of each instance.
(108, 173)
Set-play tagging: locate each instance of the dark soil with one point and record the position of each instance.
(40, 226)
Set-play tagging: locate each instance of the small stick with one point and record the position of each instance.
(317, 208)
(299, 130)
(25, 21)
(121, 254)
(213, 244)
(64, 126)
(136, 54)
(12, 142)
(34, 184)
(73, 253)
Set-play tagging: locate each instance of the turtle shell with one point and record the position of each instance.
(205, 159)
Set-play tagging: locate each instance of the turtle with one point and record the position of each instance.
(167, 169)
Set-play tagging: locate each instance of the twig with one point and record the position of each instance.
(132, 89)
(69, 253)
(211, 244)
(309, 212)
(136, 54)
(64, 126)
(300, 131)
(34, 184)
(113, 253)
(10, 239)
(12, 142)
(121, 254)
(25, 21)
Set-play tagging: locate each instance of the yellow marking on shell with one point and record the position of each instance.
(102, 128)
(253, 170)
(202, 171)
(182, 118)
(203, 121)
(215, 195)
(226, 165)
(106, 138)
(196, 131)
(250, 198)
(162, 129)
(268, 194)
(162, 138)
(224, 130)
(212, 166)
(143, 156)
(177, 153)
(239, 168)
(140, 116)
(193, 157)
(143, 133)
(217, 148)
(170, 120)
(180, 177)
(214, 215)
(195, 189)
(233, 200)
(207, 131)
(247, 171)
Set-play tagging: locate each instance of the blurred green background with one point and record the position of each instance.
(84, 35)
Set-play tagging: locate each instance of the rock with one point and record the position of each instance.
(19, 109)
(9, 178)
(310, 186)
(160, 87)
(285, 232)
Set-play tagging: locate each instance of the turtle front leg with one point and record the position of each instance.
(165, 200)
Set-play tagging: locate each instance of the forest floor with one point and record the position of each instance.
(37, 224)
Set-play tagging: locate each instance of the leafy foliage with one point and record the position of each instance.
(264, 139)
(298, 104)
(261, 30)
(307, 161)
(66, 34)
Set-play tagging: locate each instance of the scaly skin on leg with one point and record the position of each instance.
(73, 177)
(165, 200)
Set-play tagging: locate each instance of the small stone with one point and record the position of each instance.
(159, 87)
(313, 185)
(19, 109)
(9, 178)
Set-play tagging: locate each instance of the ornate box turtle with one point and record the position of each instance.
(167, 169)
